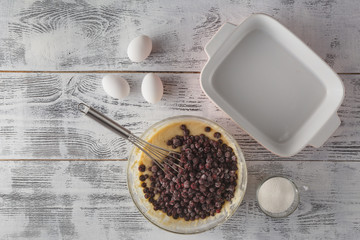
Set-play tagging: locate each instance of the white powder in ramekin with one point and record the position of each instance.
(276, 195)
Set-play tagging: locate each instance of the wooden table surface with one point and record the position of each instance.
(64, 177)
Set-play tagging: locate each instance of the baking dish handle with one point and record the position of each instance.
(223, 33)
(326, 131)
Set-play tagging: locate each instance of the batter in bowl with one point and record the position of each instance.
(160, 136)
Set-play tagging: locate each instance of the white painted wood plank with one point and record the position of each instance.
(90, 200)
(39, 117)
(93, 35)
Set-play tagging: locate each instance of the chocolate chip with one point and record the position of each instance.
(142, 168)
(142, 178)
(217, 135)
(154, 169)
(186, 132)
(176, 142)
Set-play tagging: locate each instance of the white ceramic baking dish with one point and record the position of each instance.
(274, 86)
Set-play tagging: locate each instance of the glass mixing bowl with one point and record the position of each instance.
(159, 218)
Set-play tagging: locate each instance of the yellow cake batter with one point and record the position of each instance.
(159, 137)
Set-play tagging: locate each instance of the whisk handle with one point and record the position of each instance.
(105, 121)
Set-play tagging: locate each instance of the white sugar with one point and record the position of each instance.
(276, 195)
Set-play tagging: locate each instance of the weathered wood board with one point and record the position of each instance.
(94, 35)
(39, 117)
(73, 43)
(90, 200)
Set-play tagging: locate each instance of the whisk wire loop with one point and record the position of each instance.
(159, 155)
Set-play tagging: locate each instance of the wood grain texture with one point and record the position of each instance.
(94, 35)
(39, 117)
(90, 200)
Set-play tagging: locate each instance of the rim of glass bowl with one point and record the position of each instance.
(292, 207)
(242, 184)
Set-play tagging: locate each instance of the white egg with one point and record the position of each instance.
(152, 88)
(139, 48)
(116, 86)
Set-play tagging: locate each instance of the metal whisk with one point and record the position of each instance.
(161, 156)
